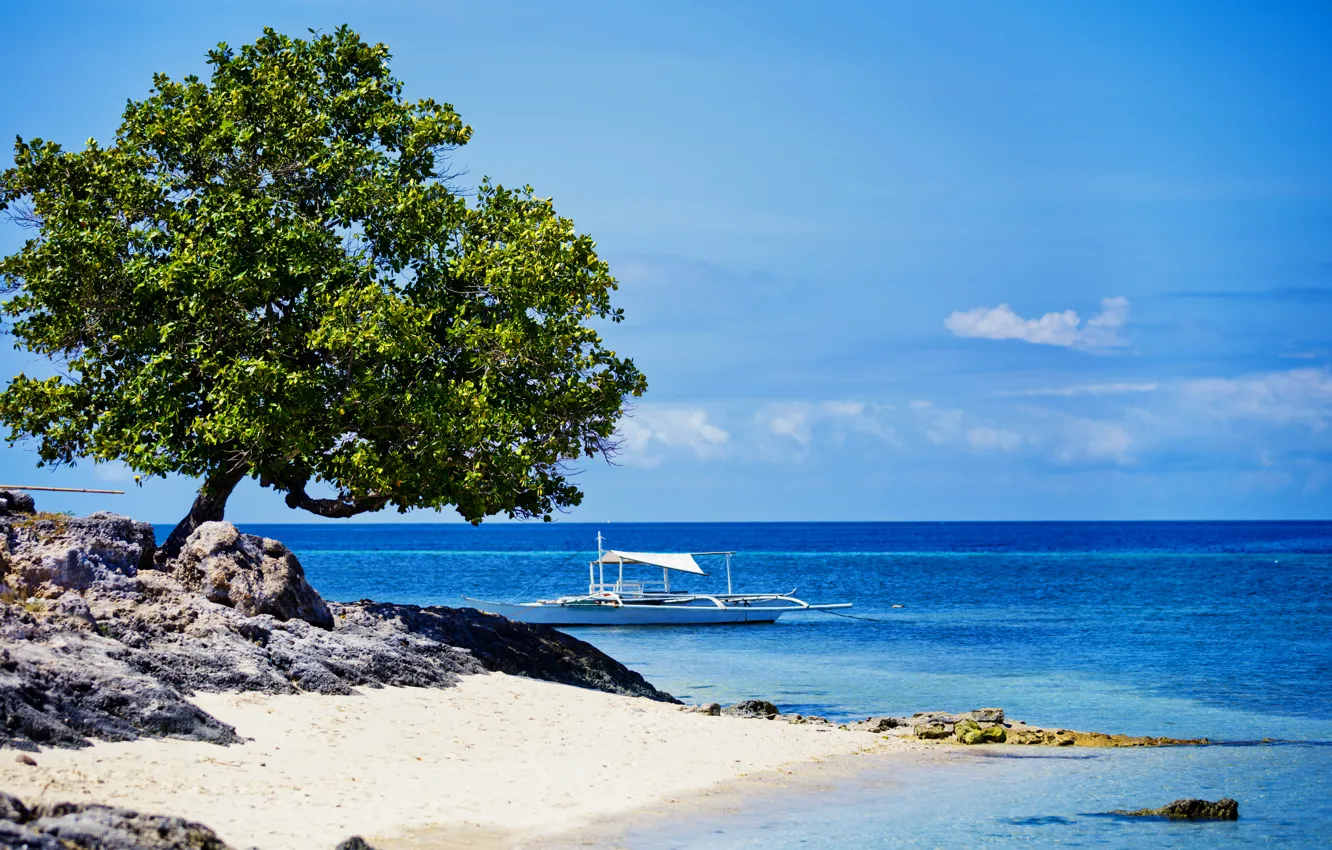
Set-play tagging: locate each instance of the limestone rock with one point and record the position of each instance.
(16, 502)
(87, 826)
(992, 735)
(933, 730)
(111, 649)
(12, 809)
(46, 555)
(254, 575)
(1223, 809)
(75, 686)
(969, 731)
(711, 709)
(880, 724)
(752, 708)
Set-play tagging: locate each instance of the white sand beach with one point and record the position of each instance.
(497, 761)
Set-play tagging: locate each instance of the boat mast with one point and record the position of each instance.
(591, 572)
(601, 568)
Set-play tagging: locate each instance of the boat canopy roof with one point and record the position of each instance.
(679, 561)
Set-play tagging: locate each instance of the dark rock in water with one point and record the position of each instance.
(356, 842)
(1224, 809)
(16, 502)
(87, 826)
(252, 574)
(752, 708)
(96, 642)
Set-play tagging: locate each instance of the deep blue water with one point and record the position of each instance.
(1221, 630)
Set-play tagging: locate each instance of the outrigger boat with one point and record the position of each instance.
(646, 603)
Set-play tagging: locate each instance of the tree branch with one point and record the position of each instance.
(338, 508)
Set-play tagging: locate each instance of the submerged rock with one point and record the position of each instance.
(752, 708)
(1023, 734)
(1041, 737)
(88, 826)
(1192, 809)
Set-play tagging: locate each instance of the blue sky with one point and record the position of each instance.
(880, 261)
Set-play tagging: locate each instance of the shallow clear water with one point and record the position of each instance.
(1221, 630)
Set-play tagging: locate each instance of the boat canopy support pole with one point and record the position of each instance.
(666, 580)
(728, 575)
(592, 576)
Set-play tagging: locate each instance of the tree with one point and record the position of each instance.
(269, 274)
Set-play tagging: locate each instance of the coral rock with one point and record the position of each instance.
(752, 708)
(254, 575)
(16, 502)
(86, 826)
(1224, 809)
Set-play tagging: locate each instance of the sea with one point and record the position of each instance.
(1220, 630)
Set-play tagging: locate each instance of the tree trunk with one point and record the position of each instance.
(209, 506)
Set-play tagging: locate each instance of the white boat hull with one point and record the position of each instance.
(693, 613)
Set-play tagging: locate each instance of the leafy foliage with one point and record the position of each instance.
(269, 274)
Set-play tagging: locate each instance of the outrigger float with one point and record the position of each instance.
(646, 603)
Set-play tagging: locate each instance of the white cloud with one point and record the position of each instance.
(791, 420)
(985, 437)
(799, 421)
(939, 425)
(843, 408)
(1297, 397)
(686, 428)
(1063, 329)
(1079, 439)
(1082, 389)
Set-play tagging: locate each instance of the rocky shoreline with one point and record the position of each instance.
(102, 639)
(978, 726)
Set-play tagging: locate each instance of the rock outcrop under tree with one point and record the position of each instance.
(100, 639)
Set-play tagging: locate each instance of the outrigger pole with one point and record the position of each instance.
(62, 489)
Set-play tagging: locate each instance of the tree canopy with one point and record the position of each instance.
(270, 274)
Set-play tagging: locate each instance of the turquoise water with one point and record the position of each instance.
(1221, 630)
